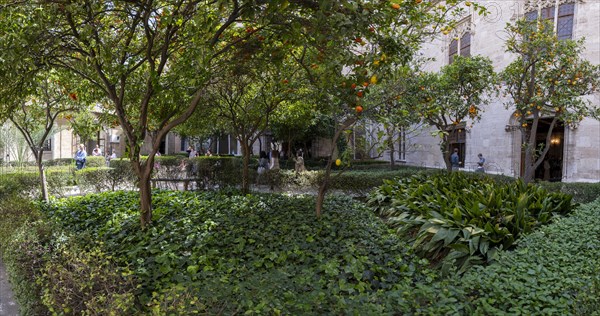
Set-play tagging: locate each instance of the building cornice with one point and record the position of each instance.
(534, 5)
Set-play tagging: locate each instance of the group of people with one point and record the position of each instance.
(81, 156)
(455, 161)
(193, 153)
(270, 162)
(266, 163)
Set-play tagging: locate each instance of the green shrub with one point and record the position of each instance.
(20, 231)
(170, 167)
(58, 180)
(78, 282)
(226, 171)
(59, 162)
(463, 219)
(20, 184)
(211, 171)
(51, 274)
(28, 183)
(90, 161)
(553, 271)
(24, 259)
(361, 182)
(581, 192)
(15, 212)
(94, 179)
(356, 182)
(94, 161)
(123, 173)
(289, 179)
(169, 161)
(216, 171)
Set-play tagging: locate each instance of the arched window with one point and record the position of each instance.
(563, 19)
(460, 46)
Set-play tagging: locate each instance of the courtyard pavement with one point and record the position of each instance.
(8, 306)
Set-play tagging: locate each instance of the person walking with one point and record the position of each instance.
(454, 160)
(480, 163)
(80, 157)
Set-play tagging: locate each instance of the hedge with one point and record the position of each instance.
(554, 270)
(582, 192)
(18, 214)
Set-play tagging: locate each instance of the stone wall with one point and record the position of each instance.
(494, 136)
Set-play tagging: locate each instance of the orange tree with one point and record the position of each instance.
(244, 100)
(150, 61)
(351, 46)
(455, 94)
(34, 108)
(135, 56)
(390, 104)
(548, 79)
(33, 97)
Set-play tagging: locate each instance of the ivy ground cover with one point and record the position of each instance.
(553, 271)
(218, 254)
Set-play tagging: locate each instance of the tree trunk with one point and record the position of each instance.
(323, 189)
(324, 185)
(446, 152)
(245, 168)
(392, 148)
(145, 198)
(531, 162)
(529, 173)
(44, 182)
(143, 170)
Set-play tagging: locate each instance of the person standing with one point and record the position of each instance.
(299, 160)
(480, 163)
(80, 157)
(192, 153)
(97, 151)
(263, 165)
(454, 160)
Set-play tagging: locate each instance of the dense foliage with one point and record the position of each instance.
(51, 272)
(261, 254)
(582, 192)
(463, 219)
(553, 271)
(266, 255)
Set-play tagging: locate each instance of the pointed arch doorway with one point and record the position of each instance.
(551, 169)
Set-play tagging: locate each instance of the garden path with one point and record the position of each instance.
(8, 306)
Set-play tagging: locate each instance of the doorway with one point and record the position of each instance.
(457, 139)
(551, 168)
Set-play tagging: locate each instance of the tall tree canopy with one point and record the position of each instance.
(152, 60)
(149, 62)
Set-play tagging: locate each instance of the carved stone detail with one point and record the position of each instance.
(462, 27)
(534, 5)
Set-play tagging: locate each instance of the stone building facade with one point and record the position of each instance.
(575, 152)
